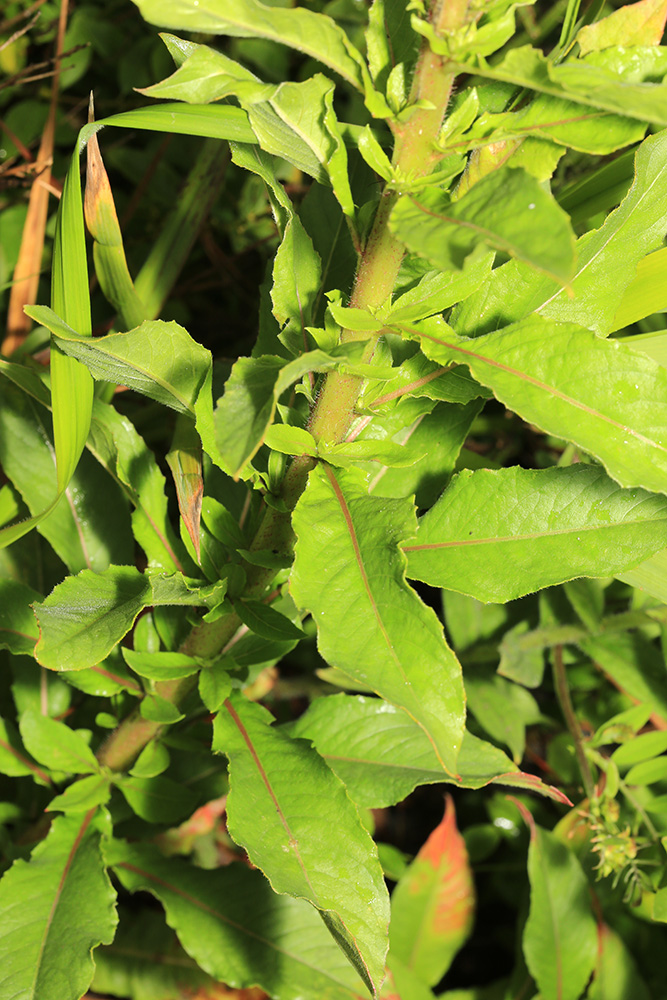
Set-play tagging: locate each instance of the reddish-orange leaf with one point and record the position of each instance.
(433, 904)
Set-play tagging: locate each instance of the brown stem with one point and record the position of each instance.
(563, 694)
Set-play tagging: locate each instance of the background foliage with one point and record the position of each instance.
(226, 715)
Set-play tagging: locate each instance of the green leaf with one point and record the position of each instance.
(14, 761)
(615, 80)
(419, 377)
(502, 708)
(606, 259)
(161, 666)
(158, 359)
(119, 448)
(497, 535)
(146, 960)
(153, 760)
(507, 210)
(438, 290)
(616, 974)
(237, 929)
(283, 802)
(434, 441)
(612, 407)
(71, 384)
(56, 908)
(294, 121)
(290, 440)
(266, 621)
(634, 24)
(213, 121)
(55, 745)
(158, 800)
(634, 665)
(560, 936)
(349, 573)
(433, 904)
(85, 794)
(314, 34)
(85, 616)
(215, 683)
(640, 748)
(295, 288)
(18, 628)
(245, 412)
(382, 755)
(157, 709)
(644, 296)
(75, 529)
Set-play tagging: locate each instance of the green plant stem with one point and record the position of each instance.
(563, 694)
(415, 155)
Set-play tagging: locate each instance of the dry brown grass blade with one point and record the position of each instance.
(26, 272)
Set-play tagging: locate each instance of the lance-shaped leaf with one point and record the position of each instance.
(14, 760)
(237, 929)
(56, 908)
(600, 81)
(497, 535)
(314, 34)
(77, 530)
(646, 294)
(71, 384)
(382, 755)
(55, 745)
(350, 574)
(158, 359)
(295, 121)
(297, 271)
(87, 615)
(612, 402)
(185, 461)
(115, 443)
(634, 665)
(108, 250)
(283, 802)
(432, 906)
(560, 936)
(507, 210)
(606, 258)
